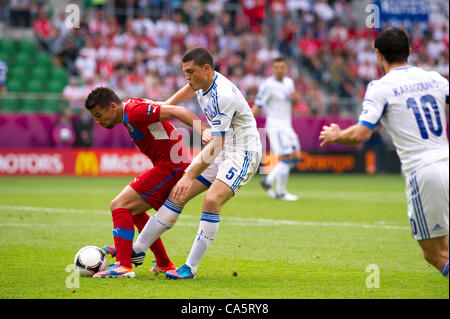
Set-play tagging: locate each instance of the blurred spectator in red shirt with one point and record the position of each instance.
(301, 108)
(309, 45)
(42, 27)
(287, 37)
(254, 10)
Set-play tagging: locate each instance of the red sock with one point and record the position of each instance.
(140, 220)
(158, 249)
(123, 233)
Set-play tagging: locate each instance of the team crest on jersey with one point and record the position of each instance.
(210, 114)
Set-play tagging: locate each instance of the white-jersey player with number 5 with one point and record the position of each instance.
(228, 162)
(410, 103)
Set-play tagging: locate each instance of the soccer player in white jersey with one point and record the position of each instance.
(276, 96)
(225, 164)
(410, 103)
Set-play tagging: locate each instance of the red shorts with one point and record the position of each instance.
(154, 185)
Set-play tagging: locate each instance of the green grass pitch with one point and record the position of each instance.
(319, 247)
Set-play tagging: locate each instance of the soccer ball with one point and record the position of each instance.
(90, 260)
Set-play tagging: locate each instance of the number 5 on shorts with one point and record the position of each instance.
(231, 172)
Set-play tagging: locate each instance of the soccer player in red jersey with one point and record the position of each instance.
(149, 127)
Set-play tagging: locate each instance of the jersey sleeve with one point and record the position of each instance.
(291, 86)
(144, 114)
(262, 97)
(221, 122)
(444, 82)
(373, 106)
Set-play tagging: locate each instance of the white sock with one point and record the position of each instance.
(282, 176)
(274, 173)
(163, 220)
(209, 225)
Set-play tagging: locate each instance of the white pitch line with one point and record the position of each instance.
(50, 210)
(230, 221)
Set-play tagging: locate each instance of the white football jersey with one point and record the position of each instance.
(274, 97)
(228, 113)
(410, 102)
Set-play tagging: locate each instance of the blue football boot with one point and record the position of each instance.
(184, 272)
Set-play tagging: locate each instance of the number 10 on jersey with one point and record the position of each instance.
(426, 100)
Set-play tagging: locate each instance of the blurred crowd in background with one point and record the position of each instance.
(331, 59)
(136, 49)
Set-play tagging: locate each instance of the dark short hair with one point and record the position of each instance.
(101, 96)
(393, 44)
(199, 55)
(279, 59)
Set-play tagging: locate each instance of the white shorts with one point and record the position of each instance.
(232, 168)
(283, 141)
(427, 194)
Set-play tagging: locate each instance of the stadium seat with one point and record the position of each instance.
(43, 59)
(59, 74)
(35, 85)
(55, 86)
(39, 72)
(7, 46)
(27, 47)
(22, 59)
(4, 56)
(18, 72)
(8, 104)
(14, 85)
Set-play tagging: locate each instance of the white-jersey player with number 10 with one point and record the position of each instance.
(276, 96)
(410, 103)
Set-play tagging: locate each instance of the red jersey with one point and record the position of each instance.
(158, 140)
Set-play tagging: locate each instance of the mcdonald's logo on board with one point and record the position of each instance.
(86, 163)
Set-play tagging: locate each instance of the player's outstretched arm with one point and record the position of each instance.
(169, 112)
(294, 98)
(183, 94)
(352, 135)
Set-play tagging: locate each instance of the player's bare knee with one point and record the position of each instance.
(119, 202)
(212, 204)
(115, 204)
